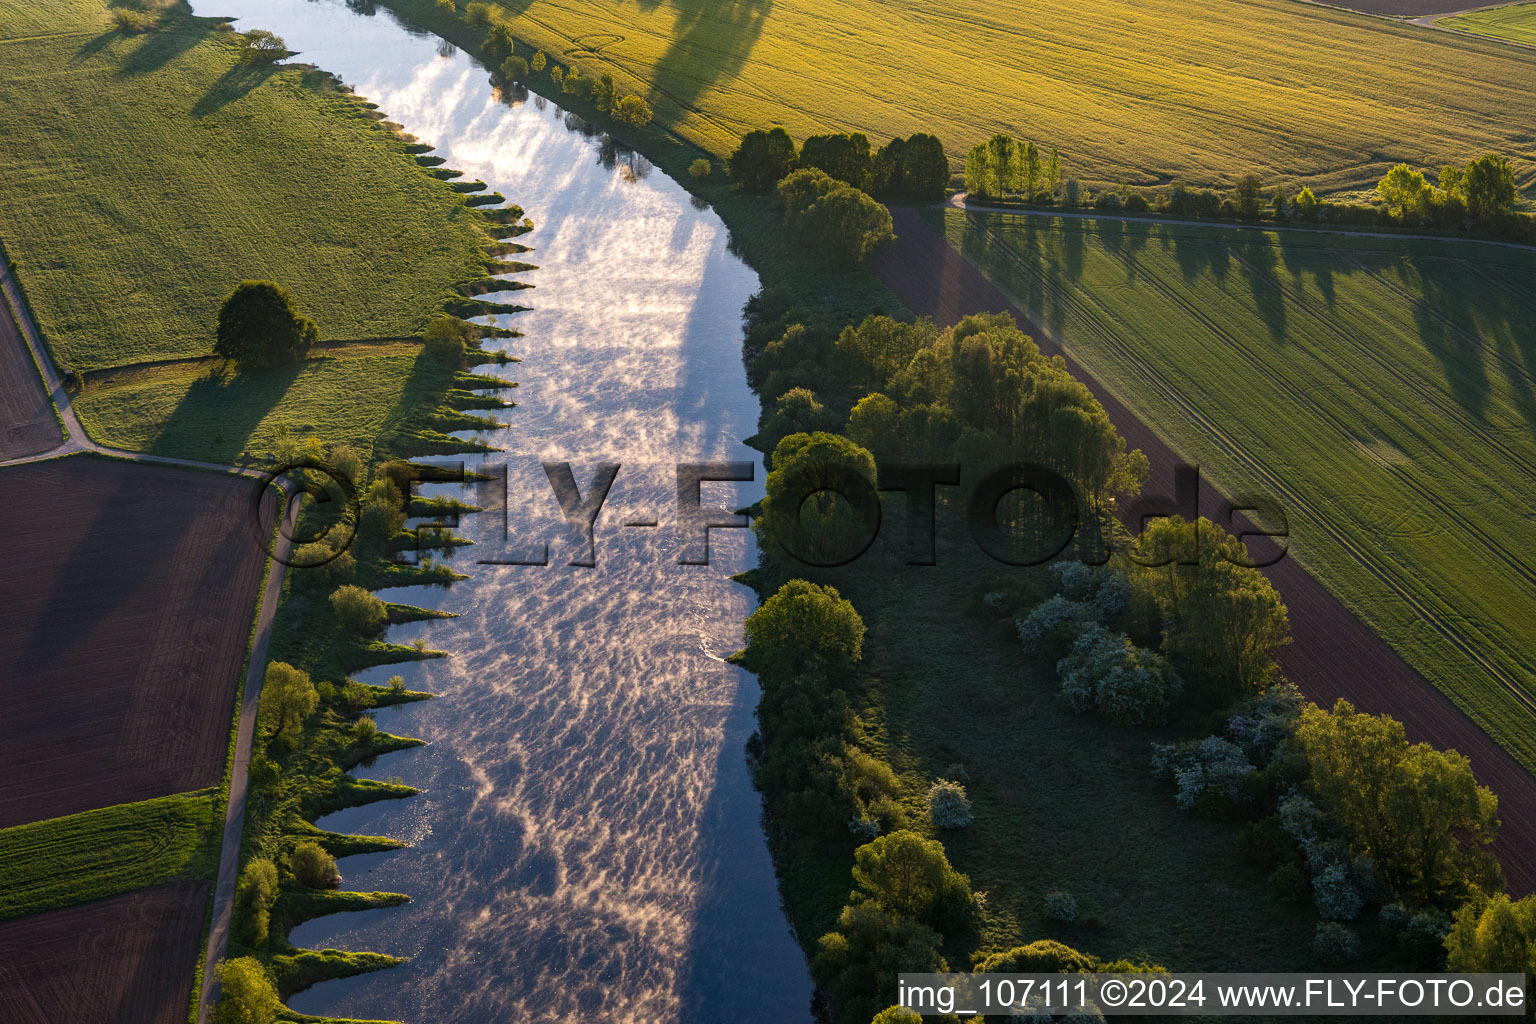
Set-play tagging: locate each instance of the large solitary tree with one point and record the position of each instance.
(259, 326)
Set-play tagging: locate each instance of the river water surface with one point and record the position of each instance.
(587, 845)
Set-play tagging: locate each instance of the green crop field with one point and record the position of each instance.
(143, 176)
(1383, 390)
(1517, 23)
(95, 854)
(208, 410)
(1132, 91)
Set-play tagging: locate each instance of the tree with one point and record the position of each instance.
(1223, 620)
(358, 610)
(879, 348)
(847, 225)
(514, 69)
(802, 628)
(1002, 165)
(539, 60)
(1488, 185)
(700, 169)
(257, 892)
(924, 169)
(557, 76)
(1030, 170)
(762, 159)
(605, 94)
(809, 513)
(1248, 196)
(498, 46)
(263, 47)
(246, 994)
(446, 339)
(909, 876)
(287, 698)
(799, 190)
(978, 179)
(855, 964)
(633, 111)
(446, 6)
(1417, 811)
(1405, 192)
(845, 156)
(1306, 205)
(1043, 956)
(259, 326)
(1494, 935)
(477, 15)
(313, 866)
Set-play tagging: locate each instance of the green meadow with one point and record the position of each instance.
(88, 856)
(1383, 390)
(144, 175)
(1517, 23)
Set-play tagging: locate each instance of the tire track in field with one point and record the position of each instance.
(1430, 616)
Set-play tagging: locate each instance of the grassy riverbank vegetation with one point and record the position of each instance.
(1134, 93)
(1380, 388)
(89, 856)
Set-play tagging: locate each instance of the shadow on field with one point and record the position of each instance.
(178, 32)
(232, 85)
(710, 44)
(226, 403)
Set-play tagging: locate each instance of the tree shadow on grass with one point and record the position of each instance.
(221, 410)
(232, 85)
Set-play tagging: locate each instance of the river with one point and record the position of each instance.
(588, 845)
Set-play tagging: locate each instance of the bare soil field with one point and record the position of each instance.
(127, 960)
(27, 423)
(129, 593)
(1334, 654)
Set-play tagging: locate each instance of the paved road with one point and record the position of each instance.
(1334, 654)
(234, 814)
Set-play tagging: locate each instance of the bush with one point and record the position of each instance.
(1287, 884)
(1335, 894)
(1335, 944)
(633, 111)
(1107, 201)
(313, 866)
(1125, 683)
(447, 338)
(700, 169)
(446, 6)
(477, 15)
(1071, 192)
(383, 509)
(358, 610)
(364, 730)
(1060, 907)
(246, 994)
(948, 806)
(125, 19)
(1053, 625)
(1135, 202)
(257, 891)
(259, 326)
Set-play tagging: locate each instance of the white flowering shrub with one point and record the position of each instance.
(1076, 579)
(1197, 767)
(1052, 625)
(1125, 683)
(1113, 595)
(1334, 894)
(864, 828)
(948, 806)
(1060, 906)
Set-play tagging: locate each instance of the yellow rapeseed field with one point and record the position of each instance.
(1132, 91)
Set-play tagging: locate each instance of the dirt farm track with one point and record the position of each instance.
(127, 960)
(1334, 654)
(129, 593)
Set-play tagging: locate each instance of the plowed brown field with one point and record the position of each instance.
(129, 591)
(125, 960)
